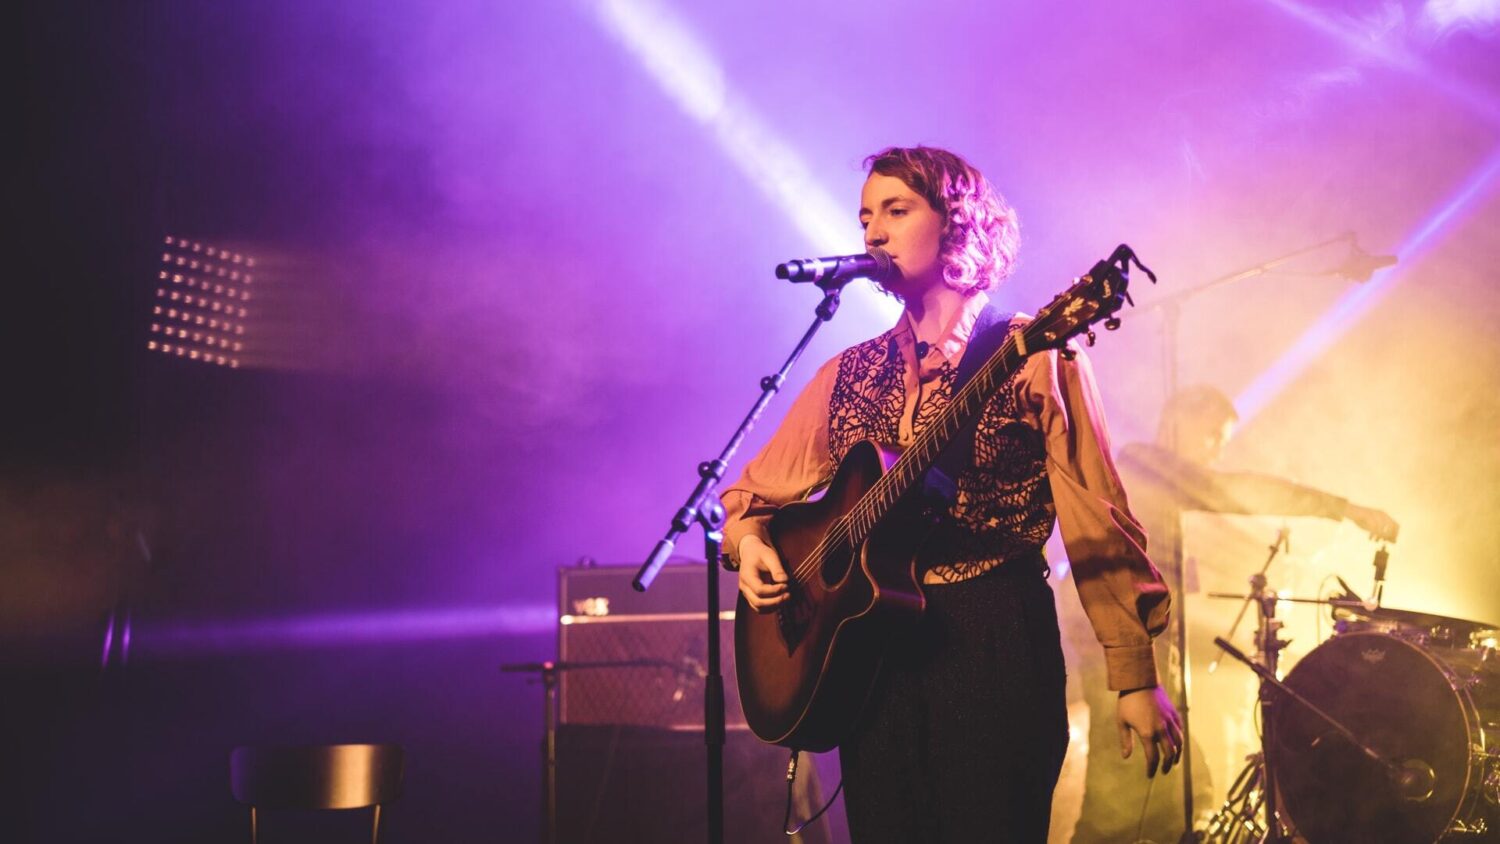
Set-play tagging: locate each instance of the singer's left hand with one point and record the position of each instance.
(1149, 713)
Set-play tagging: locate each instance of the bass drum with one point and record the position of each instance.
(1410, 703)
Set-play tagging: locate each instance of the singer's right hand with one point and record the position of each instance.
(763, 580)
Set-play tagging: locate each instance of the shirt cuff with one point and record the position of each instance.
(1130, 667)
(741, 528)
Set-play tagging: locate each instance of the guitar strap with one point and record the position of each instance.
(990, 329)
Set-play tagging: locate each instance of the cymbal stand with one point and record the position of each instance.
(1257, 581)
(1171, 308)
(1249, 813)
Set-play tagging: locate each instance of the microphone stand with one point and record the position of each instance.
(1171, 308)
(1396, 771)
(1413, 777)
(1237, 817)
(704, 508)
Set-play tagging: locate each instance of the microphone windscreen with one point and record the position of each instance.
(884, 267)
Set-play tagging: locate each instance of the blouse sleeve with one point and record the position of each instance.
(1122, 593)
(793, 463)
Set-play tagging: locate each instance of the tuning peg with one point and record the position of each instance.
(1112, 323)
(1067, 353)
(1091, 338)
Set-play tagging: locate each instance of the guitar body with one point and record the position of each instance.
(806, 669)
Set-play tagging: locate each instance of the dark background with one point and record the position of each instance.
(514, 289)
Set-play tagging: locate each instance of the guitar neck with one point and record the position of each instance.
(923, 453)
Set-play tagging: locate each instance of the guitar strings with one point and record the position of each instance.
(843, 530)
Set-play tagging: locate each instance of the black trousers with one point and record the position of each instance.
(963, 738)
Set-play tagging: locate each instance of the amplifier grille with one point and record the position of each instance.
(658, 676)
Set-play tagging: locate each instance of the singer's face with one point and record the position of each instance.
(900, 221)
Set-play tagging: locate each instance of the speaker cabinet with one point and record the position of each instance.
(640, 659)
(638, 785)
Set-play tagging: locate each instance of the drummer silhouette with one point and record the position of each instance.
(1164, 479)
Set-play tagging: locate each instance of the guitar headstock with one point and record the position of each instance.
(1092, 298)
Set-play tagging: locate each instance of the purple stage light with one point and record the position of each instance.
(199, 310)
(1381, 39)
(1361, 298)
(686, 70)
(207, 638)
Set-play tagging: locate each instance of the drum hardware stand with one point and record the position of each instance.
(1254, 789)
(1257, 587)
(703, 508)
(1258, 774)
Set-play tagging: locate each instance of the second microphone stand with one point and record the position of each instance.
(1171, 308)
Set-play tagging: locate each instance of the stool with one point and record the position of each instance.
(324, 776)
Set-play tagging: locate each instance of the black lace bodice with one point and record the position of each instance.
(1003, 507)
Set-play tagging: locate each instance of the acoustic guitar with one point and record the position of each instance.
(806, 668)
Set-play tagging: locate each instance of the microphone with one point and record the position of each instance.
(840, 269)
(1360, 265)
(1382, 558)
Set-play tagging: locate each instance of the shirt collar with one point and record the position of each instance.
(955, 338)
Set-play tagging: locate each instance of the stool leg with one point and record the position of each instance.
(375, 830)
(254, 835)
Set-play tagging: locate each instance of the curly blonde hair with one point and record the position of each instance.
(982, 235)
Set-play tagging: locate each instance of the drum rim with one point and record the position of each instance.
(1474, 762)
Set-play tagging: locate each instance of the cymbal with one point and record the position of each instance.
(1412, 618)
(1350, 603)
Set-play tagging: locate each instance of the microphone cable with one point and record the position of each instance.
(791, 776)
